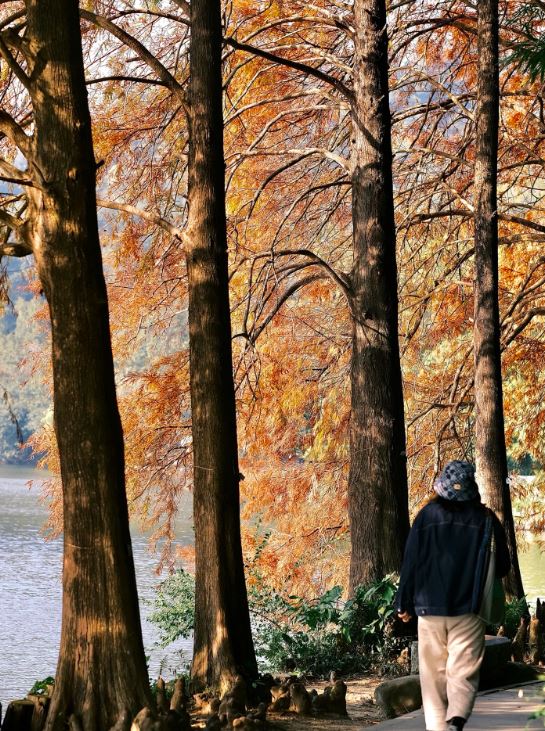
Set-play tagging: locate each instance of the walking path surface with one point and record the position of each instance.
(501, 710)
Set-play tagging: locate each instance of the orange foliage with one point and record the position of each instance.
(287, 142)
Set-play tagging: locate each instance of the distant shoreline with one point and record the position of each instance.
(23, 472)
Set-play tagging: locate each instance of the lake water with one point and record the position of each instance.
(30, 588)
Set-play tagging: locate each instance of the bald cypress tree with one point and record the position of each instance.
(101, 675)
(223, 643)
(489, 424)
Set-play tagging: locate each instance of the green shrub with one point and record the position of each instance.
(174, 607)
(515, 609)
(40, 686)
(324, 634)
(313, 636)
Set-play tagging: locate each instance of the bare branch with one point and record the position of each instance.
(141, 51)
(16, 181)
(16, 250)
(522, 222)
(15, 133)
(289, 292)
(131, 79)
(12, 221)
(455, 99)
(21, 246)
(145, 215)
(339, 278)
(183, 5)
(523, 324)
(298, 66)
(13, 65)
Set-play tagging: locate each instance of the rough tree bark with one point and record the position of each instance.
(102, 667)
(223, 643)
(490, 448)
(377, 483)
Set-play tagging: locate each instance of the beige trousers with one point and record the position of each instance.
(450, 653)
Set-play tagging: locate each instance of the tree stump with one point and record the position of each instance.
(300, 701)
(535, 641)
(337, 698)
(178, 700)
(520, 641)
(162, 703)
(19, 716)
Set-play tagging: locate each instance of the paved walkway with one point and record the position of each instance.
(500, 710)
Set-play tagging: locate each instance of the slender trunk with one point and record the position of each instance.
(490, 436)
(377, 483)
(102, 667)
(223, 643)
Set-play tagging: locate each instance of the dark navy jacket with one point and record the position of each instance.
(442, 557)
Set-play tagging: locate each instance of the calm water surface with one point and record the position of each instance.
(30, 589)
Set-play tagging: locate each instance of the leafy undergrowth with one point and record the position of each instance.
(308, 636)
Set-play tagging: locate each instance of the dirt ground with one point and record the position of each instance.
(362, 711)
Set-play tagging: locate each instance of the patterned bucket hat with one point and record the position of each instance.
(457, 482)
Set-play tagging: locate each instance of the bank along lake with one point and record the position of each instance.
(30, 587)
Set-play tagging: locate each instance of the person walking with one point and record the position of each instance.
(441, 583)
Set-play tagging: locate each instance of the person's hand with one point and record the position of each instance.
(404, 616)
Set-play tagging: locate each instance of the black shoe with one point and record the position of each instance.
(456, 723)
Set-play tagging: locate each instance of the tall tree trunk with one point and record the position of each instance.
(490, 449)
(377, 483)
(102, 666)
(223, 643)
